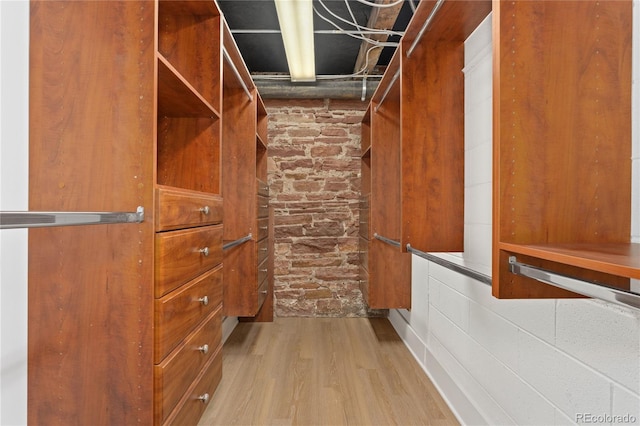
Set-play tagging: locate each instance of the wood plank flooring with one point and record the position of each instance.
(322, 371)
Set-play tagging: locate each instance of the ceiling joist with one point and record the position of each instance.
(382, 18)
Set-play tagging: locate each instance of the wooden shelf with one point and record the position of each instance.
(177, 98)
(189, 37)
(622, 259)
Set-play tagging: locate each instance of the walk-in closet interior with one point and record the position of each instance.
(437, 222)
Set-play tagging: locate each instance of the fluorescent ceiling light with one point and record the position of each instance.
(296, 26)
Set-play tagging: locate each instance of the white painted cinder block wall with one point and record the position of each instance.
(540, 362)
(14, 159)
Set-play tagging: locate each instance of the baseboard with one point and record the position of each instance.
(455, 398)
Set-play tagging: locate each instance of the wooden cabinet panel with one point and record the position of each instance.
(562, 124)
(179, 312)
(91, 148)
(177, 372)
(181, 209)
(389, 285)
(183, 255)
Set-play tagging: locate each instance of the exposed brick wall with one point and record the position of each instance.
(314, 178)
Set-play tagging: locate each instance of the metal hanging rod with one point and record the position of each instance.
(386, 240)
(253, 31)
(388, 89)
(464, 270)
(237, 73)
(425, 26)
(15, 220)
(237, 242)
(596, 291)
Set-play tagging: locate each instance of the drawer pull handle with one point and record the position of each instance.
(264, 249)
(264, 206)
(204, 349)
(205, 209)
(264, 228)
(204, 398)
(204, 300)
(263, 270)
(204, 251)
(264, 292)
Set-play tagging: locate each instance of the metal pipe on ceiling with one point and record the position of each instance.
(282, 89)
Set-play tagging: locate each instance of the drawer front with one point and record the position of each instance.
(263, 188)
(182, 209)
(263, 250)
(263, 228)
(180, 311)
(263, 271)
(193, 404)
(364, 217)
(263, 206)
(183, 255)
(363, 253)
(179, 370)
(263, 290)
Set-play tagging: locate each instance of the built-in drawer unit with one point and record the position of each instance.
(190, 408)
(179, 370)
(185, 254)
(180, 311)
(182, 209)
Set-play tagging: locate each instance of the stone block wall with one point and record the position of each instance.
(314, 178)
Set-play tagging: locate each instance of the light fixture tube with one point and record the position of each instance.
(296, 26)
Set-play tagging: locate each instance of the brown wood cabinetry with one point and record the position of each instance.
(562, 143)
(413, 151)
(125, 111)
(245, 190)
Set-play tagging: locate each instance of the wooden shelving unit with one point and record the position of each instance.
(132, 308)
(416, 121)
(562, 144)
(245, 190)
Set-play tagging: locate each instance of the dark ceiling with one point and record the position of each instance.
(254, 24)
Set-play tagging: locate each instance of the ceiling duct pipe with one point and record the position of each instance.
(321, 89)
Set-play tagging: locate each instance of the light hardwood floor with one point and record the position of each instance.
(322, 371)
